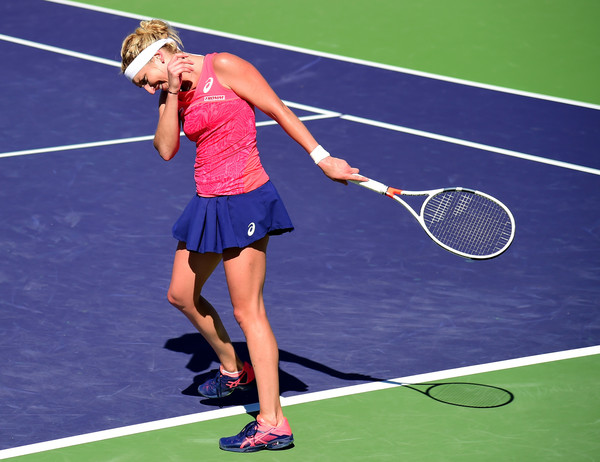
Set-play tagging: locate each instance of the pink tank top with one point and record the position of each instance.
(223, 126)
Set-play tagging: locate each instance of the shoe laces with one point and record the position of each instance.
(235, 383)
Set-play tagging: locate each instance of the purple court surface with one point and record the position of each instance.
(356, 293)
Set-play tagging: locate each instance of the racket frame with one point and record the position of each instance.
(395, 194)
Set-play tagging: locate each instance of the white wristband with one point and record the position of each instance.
(318, 154)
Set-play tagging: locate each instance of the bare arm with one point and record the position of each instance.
(166, 137)
(243, 78)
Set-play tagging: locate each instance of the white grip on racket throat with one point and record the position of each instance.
(372, 185)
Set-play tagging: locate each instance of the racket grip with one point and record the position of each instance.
(372, 185)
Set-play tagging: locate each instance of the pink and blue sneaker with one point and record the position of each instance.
(259, 435)
(224, 383)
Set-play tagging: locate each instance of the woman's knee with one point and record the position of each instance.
(190, 272)
(246, 312)
(239, 315)
(178, 298)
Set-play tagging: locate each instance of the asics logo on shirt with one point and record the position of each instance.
(251, 229)
(208, 85)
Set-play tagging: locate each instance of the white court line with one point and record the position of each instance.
(324, 114)
(336, 57)
(470, 144)
(321, 114)
(70, 147)
(62, 51)
(298, 399)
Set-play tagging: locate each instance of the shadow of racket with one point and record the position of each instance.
(464, 394)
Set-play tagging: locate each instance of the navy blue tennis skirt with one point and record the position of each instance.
(211, 224)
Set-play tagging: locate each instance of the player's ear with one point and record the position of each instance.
(160, 55)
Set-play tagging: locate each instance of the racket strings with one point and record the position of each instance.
(467, 222)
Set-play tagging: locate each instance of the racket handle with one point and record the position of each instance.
(372, 185)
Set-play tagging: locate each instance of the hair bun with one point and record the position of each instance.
(147, 32)
(154, 27)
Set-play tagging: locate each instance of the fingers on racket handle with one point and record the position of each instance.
(372, 185)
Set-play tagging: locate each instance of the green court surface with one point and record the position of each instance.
(555, 416)
(541, 46)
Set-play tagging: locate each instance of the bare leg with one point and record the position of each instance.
(245, 271)
(190, 271)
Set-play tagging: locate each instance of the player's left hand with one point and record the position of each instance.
(339, 170)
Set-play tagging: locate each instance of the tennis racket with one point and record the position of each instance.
(465, 222)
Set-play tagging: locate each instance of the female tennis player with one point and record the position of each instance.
(234, 211)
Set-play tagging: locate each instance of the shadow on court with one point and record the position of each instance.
(464, 394)
(203, 357)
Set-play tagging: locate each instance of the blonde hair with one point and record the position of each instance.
(148, 32)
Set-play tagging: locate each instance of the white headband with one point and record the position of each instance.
(146, 55)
